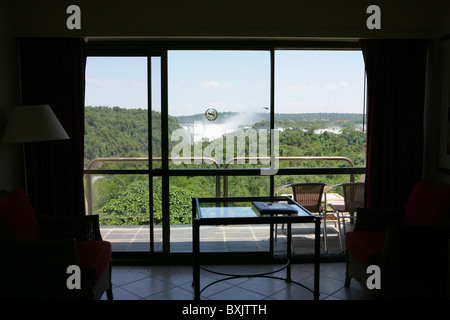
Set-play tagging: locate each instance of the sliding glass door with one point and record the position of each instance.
(122, 132)
(165, 125)
(220, 101)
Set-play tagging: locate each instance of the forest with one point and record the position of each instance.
(119, 132)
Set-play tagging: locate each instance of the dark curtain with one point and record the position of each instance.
(395, 111)
(53, 73)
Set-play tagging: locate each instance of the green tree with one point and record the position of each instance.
(131, 206)
(124, 199)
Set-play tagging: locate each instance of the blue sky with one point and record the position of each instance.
(305, 81)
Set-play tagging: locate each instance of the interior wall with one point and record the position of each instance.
(231, 18)
(228, 19)
(432, 103)
(431, 114)
(11, 160)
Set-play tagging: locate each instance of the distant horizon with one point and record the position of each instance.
(200, 113)
(306, 81)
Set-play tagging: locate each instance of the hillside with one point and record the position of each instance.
(282, 120)
(119, 132)
(124, 199)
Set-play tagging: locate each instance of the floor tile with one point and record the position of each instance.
(175, 293)
(236, 293)
(122, 294)
(147, 286)
(175, 283)
(266, 286)
(293, 292)
(127, 275)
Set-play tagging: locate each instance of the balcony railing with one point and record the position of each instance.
(232, 161)
(89, 171)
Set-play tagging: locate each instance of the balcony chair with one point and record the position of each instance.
(353, 199)
(37, 251)
(310, 196)
(410, 246)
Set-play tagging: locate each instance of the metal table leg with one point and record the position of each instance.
(289, 252)
(317, 260)
(196, 258)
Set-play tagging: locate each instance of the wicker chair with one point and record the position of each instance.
(410, 246)
(310, 196)
(37, 251)
(353, 199)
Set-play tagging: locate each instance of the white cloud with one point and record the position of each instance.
(302, 107)
(215, 84)
(358, 85)
(103, 82)
(337, 85)
(298, 87)
(138, 84)
(132, 83)
(177, 85)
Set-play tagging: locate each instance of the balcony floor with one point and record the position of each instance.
(230, 238)
(174, 282)
(171, 282)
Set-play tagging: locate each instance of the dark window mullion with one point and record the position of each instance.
(165, 153)
(272, 126)
(150, 150)
(272, 110)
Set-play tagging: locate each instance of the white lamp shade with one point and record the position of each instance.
(33, 124)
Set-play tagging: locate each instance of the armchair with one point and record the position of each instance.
(37, 251)
(353, 199)
(410, 246)
(309, 195)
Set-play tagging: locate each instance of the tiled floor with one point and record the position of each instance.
(174, 283)
(226, 238)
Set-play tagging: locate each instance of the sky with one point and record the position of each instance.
(305, 81)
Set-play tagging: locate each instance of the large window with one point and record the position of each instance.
(116, 138)
(319, 107)
(195, 113)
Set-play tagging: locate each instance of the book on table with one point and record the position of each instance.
(274, 208)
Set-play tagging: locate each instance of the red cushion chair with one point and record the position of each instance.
(17, 218)
(409, 246)
(37, 251)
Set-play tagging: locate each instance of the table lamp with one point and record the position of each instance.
(35, 123)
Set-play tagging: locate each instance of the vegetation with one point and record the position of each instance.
(284, 120)
(119, 132)
(131, 206)
(124, 199)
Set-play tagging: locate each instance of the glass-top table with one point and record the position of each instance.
(251, 210)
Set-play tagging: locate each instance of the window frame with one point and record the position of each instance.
(159, 48)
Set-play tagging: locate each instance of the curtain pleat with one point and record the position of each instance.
(53, 73)
(395, 112)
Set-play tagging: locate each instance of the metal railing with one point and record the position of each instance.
(89, 169)
(136, 159)
(232, 161)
